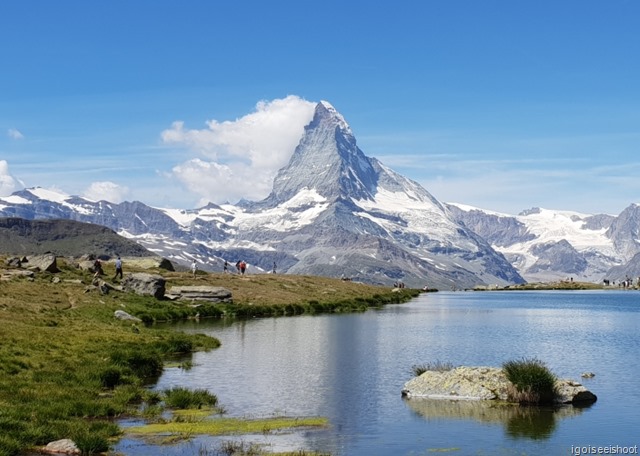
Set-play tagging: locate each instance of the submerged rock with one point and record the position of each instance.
(483, 383)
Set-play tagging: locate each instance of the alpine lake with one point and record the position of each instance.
(351, 368)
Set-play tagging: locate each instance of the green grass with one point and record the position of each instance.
(533, 382)
(226, 426)
(68, 367)
(183, 398)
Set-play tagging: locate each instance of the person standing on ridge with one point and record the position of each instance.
(194, 268)
(118, 268)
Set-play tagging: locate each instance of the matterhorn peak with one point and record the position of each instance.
(327, 160)
(326, 110)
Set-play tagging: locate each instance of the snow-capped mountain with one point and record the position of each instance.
(333, 211)
(548, 245)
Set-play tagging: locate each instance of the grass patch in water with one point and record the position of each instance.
(183, 398)
(226, 426)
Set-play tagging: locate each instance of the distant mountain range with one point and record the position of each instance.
(333, 211)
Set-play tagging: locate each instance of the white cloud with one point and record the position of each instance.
(239, 159)
(107, 191)
(15, 134)
(8, 183)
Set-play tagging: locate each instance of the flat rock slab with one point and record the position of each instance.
(200, 293)
(482, 383)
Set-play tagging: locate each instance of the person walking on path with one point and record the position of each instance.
(118, 268)
(226, 266)
(194, 268)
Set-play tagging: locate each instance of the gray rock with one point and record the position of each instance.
(43, 263)
(122, 315)
(13, 262)
(482, 383)
(461, 383)
(200, 293)
(570, 392)
(64, 446)
(145, 284)
(9, 274)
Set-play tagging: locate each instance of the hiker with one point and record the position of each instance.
(238, 266)
(274, 267)
(194, 268)
(118, 268)
(243, 267)
(97, 268)
(226, 266)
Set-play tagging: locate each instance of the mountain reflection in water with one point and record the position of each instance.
(527, 422)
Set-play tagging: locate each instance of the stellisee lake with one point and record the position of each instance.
(351, 369)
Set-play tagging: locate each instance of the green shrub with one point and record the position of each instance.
(182, 398)
(90, 443)
(532, 382)
(143, 364)
(111, 377)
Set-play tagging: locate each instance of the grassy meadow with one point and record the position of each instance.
(68, 368)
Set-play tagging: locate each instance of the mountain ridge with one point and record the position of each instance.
(334, 211)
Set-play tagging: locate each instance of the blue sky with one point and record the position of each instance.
(502, 105)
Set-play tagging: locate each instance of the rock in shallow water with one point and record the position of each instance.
(482, 383)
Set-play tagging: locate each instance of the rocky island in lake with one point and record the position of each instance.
(483, 383)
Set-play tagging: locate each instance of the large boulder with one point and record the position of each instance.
(462, 383)
(200, 293)
(46, 262)
(483, 383)
(145, 284)
(148, 263)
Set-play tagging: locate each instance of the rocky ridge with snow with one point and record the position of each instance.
(334, 211)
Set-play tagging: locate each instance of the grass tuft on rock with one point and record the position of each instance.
(531, 381)
(437, 366)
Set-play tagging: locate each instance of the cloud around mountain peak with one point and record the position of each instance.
(239, 159)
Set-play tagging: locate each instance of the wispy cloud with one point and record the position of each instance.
(107, 191)
(15, 134)
(8, 183)
(511, 186)
(239, 159)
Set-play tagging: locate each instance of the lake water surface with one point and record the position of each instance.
(351, 369)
